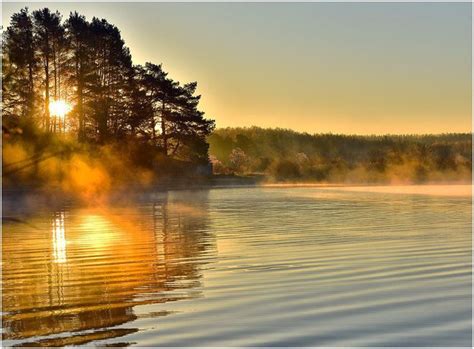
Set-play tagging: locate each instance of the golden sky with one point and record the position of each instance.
(363, 68)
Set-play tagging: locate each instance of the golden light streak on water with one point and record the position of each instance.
(59, 238)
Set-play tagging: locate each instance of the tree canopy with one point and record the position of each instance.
(85, 65)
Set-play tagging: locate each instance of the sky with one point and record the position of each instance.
(353, 68)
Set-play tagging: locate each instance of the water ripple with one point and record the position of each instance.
(241, 267)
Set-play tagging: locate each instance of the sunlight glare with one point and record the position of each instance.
(59, 108)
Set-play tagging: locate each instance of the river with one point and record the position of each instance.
(262, 266)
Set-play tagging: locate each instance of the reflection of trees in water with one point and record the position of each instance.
(71, 279)
(182, 225)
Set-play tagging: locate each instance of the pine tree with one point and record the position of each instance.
(139, 105)
(189, 127)
(158, 88)
(77, 35)
(46, 24)
(19, 68)
(111, 62)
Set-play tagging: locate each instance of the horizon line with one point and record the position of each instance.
(277, 128)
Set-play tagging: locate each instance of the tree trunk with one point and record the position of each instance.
(55, 69)
(80, 112)
(79, 78)
(31, 90)
(163, 130)
(46, 98)
(153, 131)
(46, 94)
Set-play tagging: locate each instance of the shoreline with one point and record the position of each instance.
(229, 182)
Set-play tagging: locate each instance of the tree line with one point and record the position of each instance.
(286, 155)
(85, 64)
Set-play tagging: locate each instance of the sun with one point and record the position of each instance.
(59, 108)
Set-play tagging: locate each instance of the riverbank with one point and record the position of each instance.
(460, 188)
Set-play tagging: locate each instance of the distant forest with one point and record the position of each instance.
(285, 155)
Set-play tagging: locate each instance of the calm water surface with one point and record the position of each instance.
(240, 267)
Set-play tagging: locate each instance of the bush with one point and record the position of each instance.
(285, 170)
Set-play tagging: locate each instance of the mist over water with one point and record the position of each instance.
(241, 267)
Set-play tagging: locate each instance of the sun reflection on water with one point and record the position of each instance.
(93, 273)
(98, 232)
(59, 238)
